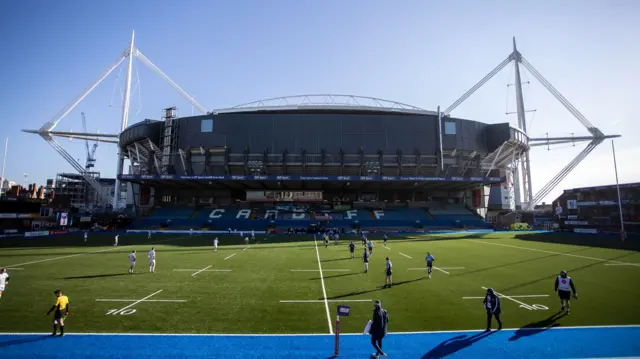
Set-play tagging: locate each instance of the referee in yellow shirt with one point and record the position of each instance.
(61, 310)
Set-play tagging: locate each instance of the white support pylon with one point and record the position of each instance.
(47, 133)
(524, 181)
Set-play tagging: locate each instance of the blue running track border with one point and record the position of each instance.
(575, 342)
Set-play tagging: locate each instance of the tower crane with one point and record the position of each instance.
(91, 153)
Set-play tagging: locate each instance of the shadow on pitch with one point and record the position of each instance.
(538, 327)
(598, 241)
(373, 290)
(97, 276)
(336, 276)
(23, 341)
(455, 344)
(570, 270)
(334, 260)
(514, 263)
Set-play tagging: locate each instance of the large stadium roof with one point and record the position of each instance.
(331, 102)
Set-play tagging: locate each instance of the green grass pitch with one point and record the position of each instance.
(241, 290)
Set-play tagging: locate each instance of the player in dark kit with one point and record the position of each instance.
(352, 249)
(564, 286)
(492, 306)
(61, 311)
(365, 259)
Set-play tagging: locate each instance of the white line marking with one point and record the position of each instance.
(441, 270)
(247, 248)
(387, 248)
(324, 270)
(82, 254)
(319, 334)
(201, 270)
(322, 301)
(510, 298)
(324, 290)
(139, 301)
(230, 256)
(133, 300)
(551, 252)
(608, 264)
(452, 268)
(208, 270)
(515, 296)
(405, 255)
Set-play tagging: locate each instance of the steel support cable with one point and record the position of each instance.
(544, 191)
(478, 85)
(62, 113)
(579, 116)
(153, 67)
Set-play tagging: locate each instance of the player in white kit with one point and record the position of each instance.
(86, 234)
(564, 286)
(4, 280)
(253, 235)
(132, 261)
(152, 260)
(241, 234)
(191, 231)
(215, 244)
(149, 235)
(115, 244)
(246, 241)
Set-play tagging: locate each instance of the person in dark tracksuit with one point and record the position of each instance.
(378, 328)
(492, 306)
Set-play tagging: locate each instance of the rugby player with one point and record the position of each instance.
(388, 272)
(564, 286)
(152, 260)
(4, 280)
(132, 261)
(429, 258)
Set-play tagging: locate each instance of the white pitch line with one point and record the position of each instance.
(201, 270)
(452, 268)
(551, 252)
(247, 248)
(322, 301)
(510, 298)
(139, 301)
(81, 254)
(324, 270)
(405, 255)
(441, 270)
(150, 300)
(324, 290)
(614, 264)
(515, 296)
(208, 270)
(386, 248)
(229, 256)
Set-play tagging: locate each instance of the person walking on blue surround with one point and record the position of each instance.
(378, 328)
(492, 306)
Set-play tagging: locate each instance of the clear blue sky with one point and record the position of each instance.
(426, 53)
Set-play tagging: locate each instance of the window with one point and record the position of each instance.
(449, 128)
(206, 125)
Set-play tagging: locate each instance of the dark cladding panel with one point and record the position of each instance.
(496, 135)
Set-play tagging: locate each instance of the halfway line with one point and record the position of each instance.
(324, 290)
(405, 255)
(201, 270)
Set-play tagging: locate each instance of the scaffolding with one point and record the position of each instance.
(81, 193)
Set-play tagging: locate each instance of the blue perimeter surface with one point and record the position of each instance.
(588, 342)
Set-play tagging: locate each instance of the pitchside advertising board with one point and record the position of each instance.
(284, 196)
(310, 178)
(298, 214)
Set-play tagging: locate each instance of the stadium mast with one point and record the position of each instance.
(47, 130)
(522, 183)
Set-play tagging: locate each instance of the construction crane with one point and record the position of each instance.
(91, 153)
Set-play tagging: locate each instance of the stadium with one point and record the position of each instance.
(391, 163)
(236, 204)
